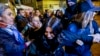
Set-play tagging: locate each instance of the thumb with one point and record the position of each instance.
(28, 43)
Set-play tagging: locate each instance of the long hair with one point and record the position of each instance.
(55, 24)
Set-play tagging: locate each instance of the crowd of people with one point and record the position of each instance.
(32, 33)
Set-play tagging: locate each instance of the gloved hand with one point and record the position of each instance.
(96, 37)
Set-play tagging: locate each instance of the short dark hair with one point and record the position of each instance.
(19, 9)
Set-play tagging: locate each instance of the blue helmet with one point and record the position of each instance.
(88, 5)
(71, 1)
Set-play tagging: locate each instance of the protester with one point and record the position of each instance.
(11, 41)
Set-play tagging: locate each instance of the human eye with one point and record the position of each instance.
(9, 14)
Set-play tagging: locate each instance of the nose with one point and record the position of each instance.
(12, 16)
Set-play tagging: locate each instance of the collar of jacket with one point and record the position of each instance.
(3, 25)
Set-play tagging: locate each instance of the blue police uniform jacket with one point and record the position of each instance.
(73, 48)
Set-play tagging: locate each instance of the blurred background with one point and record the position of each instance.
(42, 5)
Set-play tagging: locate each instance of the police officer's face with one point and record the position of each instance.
(48, 33)
(7, 17)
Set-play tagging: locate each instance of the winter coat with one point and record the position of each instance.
(9, 45)
(78, 33)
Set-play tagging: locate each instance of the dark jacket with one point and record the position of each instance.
(21, 22)
(47, 47)
(9, 46)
